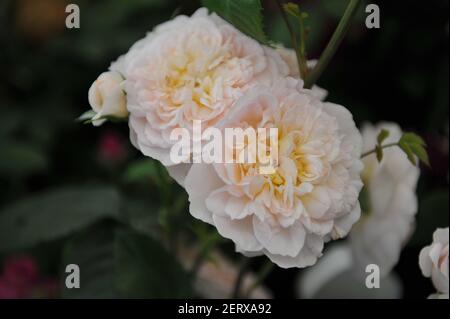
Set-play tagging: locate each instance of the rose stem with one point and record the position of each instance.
(300, 56)
(334, 43)
(374, 150)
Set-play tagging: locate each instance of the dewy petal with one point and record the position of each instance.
(278, 240)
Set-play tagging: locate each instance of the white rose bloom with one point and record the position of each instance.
(311, 197)
(389, 202)
(433, 261)
(107, 97)
(189, 68)
(389, 205)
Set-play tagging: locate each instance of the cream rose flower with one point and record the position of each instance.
(389, 202)
(107, 97)
(190, 68)
(433, 261)
(313, 195)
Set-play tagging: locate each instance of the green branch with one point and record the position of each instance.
(334, 43)
(374, 151)
(299, 51)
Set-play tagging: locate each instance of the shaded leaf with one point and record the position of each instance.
(412, 138)
(384, 134)
(421, 153)
(379, 152)
(93, 250)
(413, 145)
(117, 262)
(140, 215)
(292, 9)
(407, 150)
(21, 160)
(54, 214)
(147, 270)
(245, 15)
(141, 170)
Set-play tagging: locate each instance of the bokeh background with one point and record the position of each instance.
(70, 191)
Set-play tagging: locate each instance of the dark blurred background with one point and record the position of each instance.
(396, 73)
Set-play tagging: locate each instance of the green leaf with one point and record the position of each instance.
(245, 15)
(93, 250)
(412, 138)
(54, 214)
(421, 153)
(413, 145)
(384, 134)
(147, 270)
(86, 116)
(292, 9)
(141, 215)
(117, 262)
(409, 153)
(379, 152)
(20, 160)
(141, 170)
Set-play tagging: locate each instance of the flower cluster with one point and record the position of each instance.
(202, 68)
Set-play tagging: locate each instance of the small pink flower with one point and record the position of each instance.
(21, 270)
(111, 148)
(21, 279)
(8, 290)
